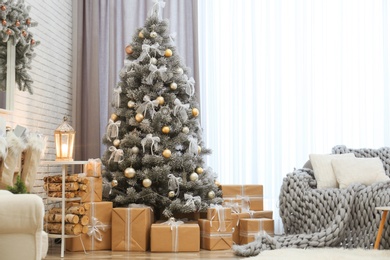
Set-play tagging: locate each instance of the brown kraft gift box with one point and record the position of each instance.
(172, 238)
(216, 235)
(94, 190)
(215, 213)
(99, 229)
(236, 217)
(93, 168)
(249, 228)
(254, 192)
(131, 229)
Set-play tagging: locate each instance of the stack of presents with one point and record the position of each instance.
(238, 220)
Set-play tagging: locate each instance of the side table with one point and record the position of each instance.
(381, 225)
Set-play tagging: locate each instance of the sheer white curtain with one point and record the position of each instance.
(282, 79)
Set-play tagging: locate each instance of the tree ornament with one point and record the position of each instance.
(135, 150)
(139, 117)
(9, 32)
(195, 112)
(24, 33)
(3, 8)
(160, 100)
(153, 60)
(194, 176)
(130, 104)
(4, 22)
(153, 34)
(28, 21)
(199, 149)
(129, 49)
(17, 23)
(217, 183)
(173, 86)
(167, 153)
(168, 53)
(116, 142)
(171, 194)
(211, 194)
(147, 183)
(114, 183)
(166, 129)
(129, 172)
(141, 34)
(186, 130)
(114, 117)
(179, 70)
(199, 170)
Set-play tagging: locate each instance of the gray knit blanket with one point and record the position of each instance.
(328, 217)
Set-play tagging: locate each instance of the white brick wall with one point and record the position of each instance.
(52, 74)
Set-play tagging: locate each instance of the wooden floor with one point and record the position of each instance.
(55, 253)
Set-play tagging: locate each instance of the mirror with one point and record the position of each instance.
(7, 80)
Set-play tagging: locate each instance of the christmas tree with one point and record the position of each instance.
(154, 141)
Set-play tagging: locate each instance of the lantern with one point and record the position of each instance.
(64, 139)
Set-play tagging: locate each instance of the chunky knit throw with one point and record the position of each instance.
(328, 217)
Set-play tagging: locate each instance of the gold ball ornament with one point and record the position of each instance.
(194, 176)
(171, 194)
(114, 183)
(147, 183)
(135, 149)
(139, 117)
(160, 100)
(185, 130)
(114, 117)
(168, 53)
(116, 142)
(141, 34)
(199, 170)
(173, 86)
(167, 153)
(129, 49)
(217, 183)
(195, 112)
(153, 34)
(129, 172)
(211, 194)
(130, 104)
(153, 60)
(199, 149)
(166, 129)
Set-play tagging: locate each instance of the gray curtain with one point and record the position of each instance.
(105, 27)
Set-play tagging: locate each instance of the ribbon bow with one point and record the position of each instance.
(156, 7)
(153, 69)
(181, 109)
(154, 140)
(112, 129)
(174, 183)
(94, 229)
(172, 223)
(220, 212)
(245, 203)
(193, 147)
(146, 48)
(190, 85)
(148, 103)
(190, 200)
(116, 154)
(117, 98)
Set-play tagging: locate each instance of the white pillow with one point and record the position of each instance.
(323, 171)
(358, 170)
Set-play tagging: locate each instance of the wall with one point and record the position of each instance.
(52, 74)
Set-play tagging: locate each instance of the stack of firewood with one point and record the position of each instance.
(74, 185)
(76, 220)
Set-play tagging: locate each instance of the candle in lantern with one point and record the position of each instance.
(64, 150)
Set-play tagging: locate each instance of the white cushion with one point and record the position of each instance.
(323, 171)
(358, 170)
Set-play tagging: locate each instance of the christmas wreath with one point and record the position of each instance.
(14, 24)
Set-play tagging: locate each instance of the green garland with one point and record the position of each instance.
(14, 24)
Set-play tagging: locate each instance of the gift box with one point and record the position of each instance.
(216, 240)
(93, 168)
(236, 217)
(93, 191)
(99, 229)
(131, 228)
(251, 194)
(218, 212)
(175, 236)
(209, 226)
(251, 227)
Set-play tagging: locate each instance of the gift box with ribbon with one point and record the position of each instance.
(93, 191)
(218, 212)
(175, 236)
(93, 168)
(131, 228)
(243, 198)
(250, 228)
(99, 229)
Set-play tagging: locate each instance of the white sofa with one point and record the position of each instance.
(21, 227)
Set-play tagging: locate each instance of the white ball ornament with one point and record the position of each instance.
(173, 86)
(153, 34)
(194, 176)
(135, 149)
(129, 172)
(171, 194)
(211, 194)
(147, 183)
(186, 130)
(153, 60)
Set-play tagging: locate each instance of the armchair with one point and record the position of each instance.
(21, 226)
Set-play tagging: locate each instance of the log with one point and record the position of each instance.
(72, 209)
(85, 230)
(83, 187)
(82, 180)
(55, 186)
(58, 178)
(69, 218)
(84, 220)
(70, 229)
(58, 194)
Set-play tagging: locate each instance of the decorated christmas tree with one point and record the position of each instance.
(155, 153)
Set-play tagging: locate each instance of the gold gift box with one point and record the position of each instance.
(99, 214)
(131, 229)
(250, 227)
(170, 238)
